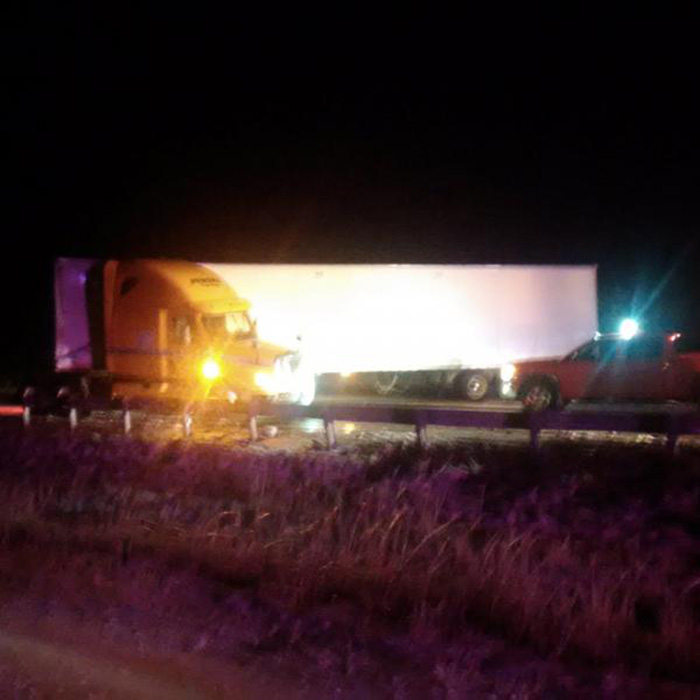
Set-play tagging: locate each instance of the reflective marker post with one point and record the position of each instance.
(329, 427)
(673, 429)
(73, 417)
(127, 419)
(253, 428)
(253, 409)
(28, 400)
(421, 434)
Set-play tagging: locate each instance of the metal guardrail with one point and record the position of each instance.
(73, 409)
(669, 424)
(672, 425)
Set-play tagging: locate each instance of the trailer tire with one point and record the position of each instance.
(473, 386)
(386, 383)
(539, 394)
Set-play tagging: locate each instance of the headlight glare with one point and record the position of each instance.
(265, 381)
(210, 369)
(507, 373)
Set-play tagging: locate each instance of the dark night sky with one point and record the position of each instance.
(426, 145)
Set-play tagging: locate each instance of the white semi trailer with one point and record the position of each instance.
(445, 325)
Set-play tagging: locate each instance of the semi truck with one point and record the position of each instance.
(161, 330)
(439, 328)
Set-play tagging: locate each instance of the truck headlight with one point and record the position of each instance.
(266, 382)
(507, 373)
(211, 369)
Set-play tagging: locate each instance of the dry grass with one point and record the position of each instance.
(591, 556)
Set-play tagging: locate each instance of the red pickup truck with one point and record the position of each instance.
(648, 366)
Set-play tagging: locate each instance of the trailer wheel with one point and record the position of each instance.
(386, 383)
(539, 394)
(473, 386)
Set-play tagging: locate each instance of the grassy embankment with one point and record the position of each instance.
(592, 556)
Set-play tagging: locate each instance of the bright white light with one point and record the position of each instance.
(211, 369)
(507, 373)
(266, 382)
(628, 328)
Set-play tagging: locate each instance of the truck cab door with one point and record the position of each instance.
(683, 374)
(602, 380)
(643, 369)
(180, 339)
(576, 371)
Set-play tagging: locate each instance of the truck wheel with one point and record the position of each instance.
(473, 386)
(539, 394)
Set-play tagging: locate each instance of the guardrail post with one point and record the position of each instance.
(73, 417)
(421, 433)
(534, 425)
(534, 439)
(671, 444)
(672, 436)
(253, 427)
(253, 410)
(329, 427)
(187, 422)
(127, 418)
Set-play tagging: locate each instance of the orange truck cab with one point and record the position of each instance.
(165, 328)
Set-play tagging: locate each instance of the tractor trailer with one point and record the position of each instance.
(163, 329)
(440, 327)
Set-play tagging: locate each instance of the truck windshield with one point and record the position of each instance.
(227, 326)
